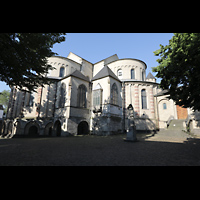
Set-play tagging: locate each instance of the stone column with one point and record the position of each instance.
(152, 107)
(137, 103)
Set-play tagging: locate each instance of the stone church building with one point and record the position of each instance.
(92, 98)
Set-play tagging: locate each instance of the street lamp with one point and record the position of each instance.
(131, 132)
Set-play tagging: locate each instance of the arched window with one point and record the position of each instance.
(81, 98)
(97, 96)
(119, 73)
(62, 72)
(29, 99)
(144, 99)
(143, 74)
(62, 95)
(114, 94)
(132, 74)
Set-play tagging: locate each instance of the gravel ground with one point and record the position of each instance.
(161, 149)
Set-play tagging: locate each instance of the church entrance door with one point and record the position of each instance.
(83, 128)
(33, 131)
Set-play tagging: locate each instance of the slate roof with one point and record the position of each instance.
(78, 74)
(150, 76)
(104, 72)
(163, 92)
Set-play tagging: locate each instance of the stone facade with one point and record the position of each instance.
(90, 98)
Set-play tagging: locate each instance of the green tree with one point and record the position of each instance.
(179, 69)
(4, 99)
(23, 58)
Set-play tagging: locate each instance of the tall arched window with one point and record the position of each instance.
(132, 74)
(144, 99)
(81, 97)
(29, 99)
(62, 72)
(114, 94)
(62, 95)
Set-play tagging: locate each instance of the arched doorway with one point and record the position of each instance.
(83, 128)
(48, 129)
(33, 131)
(57, 128)
(9, 131)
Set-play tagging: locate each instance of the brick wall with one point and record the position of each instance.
(181, 112)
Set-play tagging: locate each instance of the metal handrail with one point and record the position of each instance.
(169, 120)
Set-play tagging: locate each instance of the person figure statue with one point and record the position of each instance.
(131, 132)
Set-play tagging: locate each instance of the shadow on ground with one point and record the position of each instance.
(93, 150)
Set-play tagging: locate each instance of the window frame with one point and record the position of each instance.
(132, 73)
(82, 96)
(144, 98)
(62, 98)
(114, 94)
(62, 73)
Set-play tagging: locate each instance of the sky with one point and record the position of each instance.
(98, 46)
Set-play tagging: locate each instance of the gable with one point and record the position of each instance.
(104, 72)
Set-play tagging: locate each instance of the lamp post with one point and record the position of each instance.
(131, 132)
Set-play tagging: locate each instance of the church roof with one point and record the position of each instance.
(104, 72)
(76, 74)
(163, 92)
(150, 76)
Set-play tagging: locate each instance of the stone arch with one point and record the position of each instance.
(83, 128)
(48, 129)
(57, 128)
(32, 129)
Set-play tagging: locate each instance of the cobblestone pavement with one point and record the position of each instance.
(164, 148)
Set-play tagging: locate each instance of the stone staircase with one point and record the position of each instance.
(176, 124)
(173, 133)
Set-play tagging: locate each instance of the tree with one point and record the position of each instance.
(4, 99)
(179, 68)
(23, 58)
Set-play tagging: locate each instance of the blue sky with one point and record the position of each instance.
(97, 46)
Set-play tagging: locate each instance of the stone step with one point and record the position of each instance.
(176, 124)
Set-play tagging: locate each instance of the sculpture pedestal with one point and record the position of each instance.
(131, 135)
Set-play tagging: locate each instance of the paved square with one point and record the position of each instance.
(101, 151)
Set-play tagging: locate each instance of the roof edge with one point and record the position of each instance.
(129, 59)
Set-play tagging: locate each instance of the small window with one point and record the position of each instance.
(164, 106)
(143, 74)
(62, 72)
(119, 73)
(132, 74)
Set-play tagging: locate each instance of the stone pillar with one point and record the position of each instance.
(137, 103)
(152, 107)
